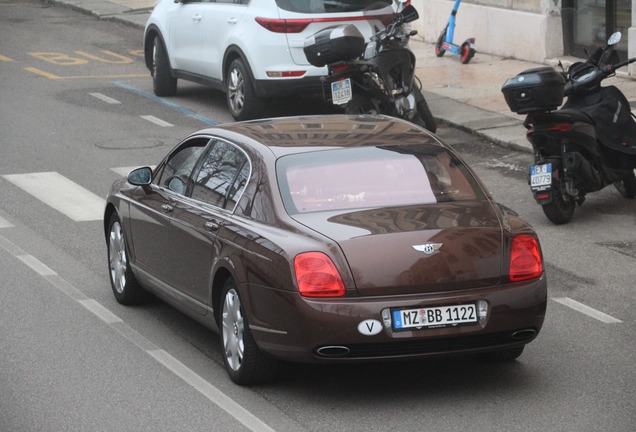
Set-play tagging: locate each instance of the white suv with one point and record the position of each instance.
(250, 49)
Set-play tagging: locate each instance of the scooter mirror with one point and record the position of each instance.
(410, 14)
(615, 38)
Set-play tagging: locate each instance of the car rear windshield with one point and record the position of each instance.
(327, 6)
(370, 177)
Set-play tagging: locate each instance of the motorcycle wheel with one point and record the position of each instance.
(559, 211)
(360, 105)
(439, 51)
(425, 117)
(627, 186)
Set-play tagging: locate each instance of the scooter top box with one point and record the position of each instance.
(539, 89)
(334, 44)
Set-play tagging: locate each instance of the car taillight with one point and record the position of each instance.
(317, 276)
(341, 67)
(285, 74)
(284, 25)
(525, 258)
(560, 127)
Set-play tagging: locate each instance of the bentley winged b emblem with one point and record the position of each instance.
(428, 248)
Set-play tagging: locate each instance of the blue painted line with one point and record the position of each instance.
(166, 103)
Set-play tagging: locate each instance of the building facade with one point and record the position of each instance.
(533, 30)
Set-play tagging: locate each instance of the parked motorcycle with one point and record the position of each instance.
(586, 145)
(377, 77)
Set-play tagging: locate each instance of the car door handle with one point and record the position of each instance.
(211, 226)
(197, 17)
(167, 208)
(232, 20)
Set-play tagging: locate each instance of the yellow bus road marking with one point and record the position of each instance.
(5, 59)
(56, 77)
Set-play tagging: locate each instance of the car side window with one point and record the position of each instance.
(176, 171)
(222, 176)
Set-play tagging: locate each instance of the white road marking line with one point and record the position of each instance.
(209, 391)
(62, 194)
(580, 307)
(36, 265)
(215, 395)
(105, 98)
(156, 121)
(5, 223)
(104, 314)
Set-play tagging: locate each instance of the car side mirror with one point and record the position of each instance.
(140, 176)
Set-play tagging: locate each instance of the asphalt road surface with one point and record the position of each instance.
(77, 111)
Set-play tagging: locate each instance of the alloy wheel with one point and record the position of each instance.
(233, 326)
(236, 90)
(117, 257)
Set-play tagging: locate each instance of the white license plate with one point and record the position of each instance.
(341, 91)
(540, 176)
(434, 316)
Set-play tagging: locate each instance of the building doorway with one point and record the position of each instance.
(588, 23)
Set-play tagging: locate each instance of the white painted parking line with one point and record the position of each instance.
(189, 376)
(36, 265)
(105, 98)
(580, 307)
(62, 194)
(5, 223)
(156, 121)
(210, 391)
(107, 316)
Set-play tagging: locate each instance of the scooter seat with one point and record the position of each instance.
(562, 116)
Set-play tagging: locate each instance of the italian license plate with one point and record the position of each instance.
(540, 176)
(341, 91)
(434, 317)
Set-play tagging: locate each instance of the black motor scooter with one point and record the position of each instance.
(377, 77)
(586, 145)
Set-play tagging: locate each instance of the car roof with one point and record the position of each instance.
(286, 135)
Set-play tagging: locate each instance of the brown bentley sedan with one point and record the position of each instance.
(327, 239)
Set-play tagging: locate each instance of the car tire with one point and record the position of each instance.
(360, 105)
(125, 287)
(239, 90)
(627, 186)
(502, 356)
(245, 363)
(163, 83)
(425, 115)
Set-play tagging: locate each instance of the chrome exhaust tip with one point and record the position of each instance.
(333, 351)
(524, 334)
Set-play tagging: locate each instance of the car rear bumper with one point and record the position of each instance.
(284, 87)
(316, 331)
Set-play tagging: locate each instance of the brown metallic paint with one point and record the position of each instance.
(257, 243)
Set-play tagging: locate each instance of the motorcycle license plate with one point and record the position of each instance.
(405, 319)
(341, 91)
(540, 176)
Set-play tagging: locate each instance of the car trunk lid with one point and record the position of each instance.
(417, 249)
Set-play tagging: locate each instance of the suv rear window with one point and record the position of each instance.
(330, 6)
(373, 177)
